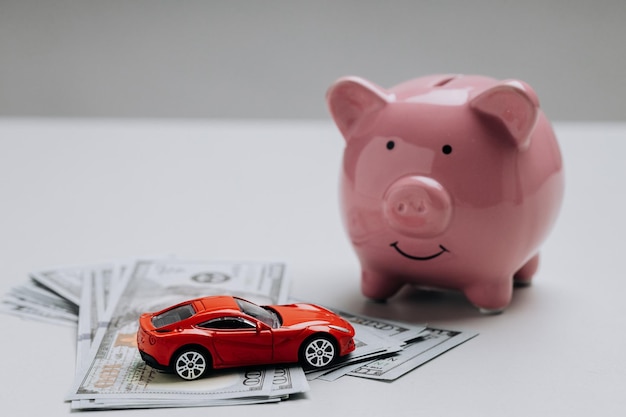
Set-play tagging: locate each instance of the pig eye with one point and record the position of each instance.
(391, 144)
(446, 149)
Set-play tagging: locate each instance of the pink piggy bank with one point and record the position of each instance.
(448, 182)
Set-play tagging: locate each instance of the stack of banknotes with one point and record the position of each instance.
(103, 301)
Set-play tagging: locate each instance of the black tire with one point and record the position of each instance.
(318, 351)
(191, 363)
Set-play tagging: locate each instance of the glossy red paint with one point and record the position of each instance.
(224, 331)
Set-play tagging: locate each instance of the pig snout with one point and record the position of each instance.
(417, 206)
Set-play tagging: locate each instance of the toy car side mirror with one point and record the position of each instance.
(260, 326)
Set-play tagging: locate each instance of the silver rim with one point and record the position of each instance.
(319, 352)
(190, 365)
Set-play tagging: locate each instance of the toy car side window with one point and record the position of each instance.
(228, 323)
(174, 315)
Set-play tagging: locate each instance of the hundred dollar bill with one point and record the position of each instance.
(87, 321)
(369, 345)
(106, 278)
(135, 404)
(96, 304)
(65, 281)
(384, 327)
(22, 310)
(116, 370)
(286, 380)
(31, 300)
(97, 293)
(431, 344)
(375, 337)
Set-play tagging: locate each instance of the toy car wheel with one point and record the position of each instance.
(191, 364)
(318, 351)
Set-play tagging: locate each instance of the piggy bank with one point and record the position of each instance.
(448, 182)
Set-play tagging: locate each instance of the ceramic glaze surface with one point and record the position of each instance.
(448, 181)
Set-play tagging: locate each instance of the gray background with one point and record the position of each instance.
(275, 59)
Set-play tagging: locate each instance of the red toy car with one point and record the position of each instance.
(223, 331)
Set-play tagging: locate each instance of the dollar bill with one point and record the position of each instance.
(23, 310)
(286, 380)
(98, 289)
(112, 404)
(65, 281)
(31, 300)
(369, 345)
(428, 346)
(403, 332)
(97, 300)
(87, 321)
(375, 337)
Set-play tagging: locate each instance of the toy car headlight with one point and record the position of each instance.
(341, 329)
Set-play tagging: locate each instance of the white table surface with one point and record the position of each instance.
(82, 191)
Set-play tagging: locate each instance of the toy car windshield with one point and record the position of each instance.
(267, 316)
(173, 316)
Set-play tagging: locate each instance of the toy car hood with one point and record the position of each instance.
(307, 314)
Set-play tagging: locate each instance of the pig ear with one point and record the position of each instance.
(351, 100)
(514, 105)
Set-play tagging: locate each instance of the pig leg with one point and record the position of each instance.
(378, 286)
(525, 274)
(491, 297)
